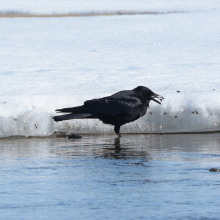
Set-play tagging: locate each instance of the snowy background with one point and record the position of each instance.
(50, 63)
(83, 6)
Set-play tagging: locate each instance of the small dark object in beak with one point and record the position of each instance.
(156, 96)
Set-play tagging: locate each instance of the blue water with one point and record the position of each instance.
(98, 177)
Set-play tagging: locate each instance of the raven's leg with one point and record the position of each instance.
(117, 130)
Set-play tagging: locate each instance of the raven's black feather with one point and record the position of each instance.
(70, 116)
(118, 109)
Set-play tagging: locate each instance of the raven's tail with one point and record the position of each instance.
(78, 109)
(71, 116)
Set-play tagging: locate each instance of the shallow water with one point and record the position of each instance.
(100, 177)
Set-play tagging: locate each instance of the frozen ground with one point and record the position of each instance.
(50, 63)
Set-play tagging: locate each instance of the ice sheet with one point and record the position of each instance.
(50, 63)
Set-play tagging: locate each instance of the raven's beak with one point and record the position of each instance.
(154, 97)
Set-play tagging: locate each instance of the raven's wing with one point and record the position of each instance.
(116, 104)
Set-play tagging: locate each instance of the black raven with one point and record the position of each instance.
(118, 109)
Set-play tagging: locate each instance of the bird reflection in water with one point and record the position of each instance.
(124, 151)
(104, 148)
(117, 154)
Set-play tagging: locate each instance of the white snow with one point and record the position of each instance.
(50, 63)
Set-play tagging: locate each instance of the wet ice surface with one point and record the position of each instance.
(98, 177)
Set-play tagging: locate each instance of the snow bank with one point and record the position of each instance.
(50, 63)
(195, 112)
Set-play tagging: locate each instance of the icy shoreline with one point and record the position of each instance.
(177, 114)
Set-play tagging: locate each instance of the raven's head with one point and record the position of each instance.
(147, 94)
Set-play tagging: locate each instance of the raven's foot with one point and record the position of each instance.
(119, 134)
(117, 130)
